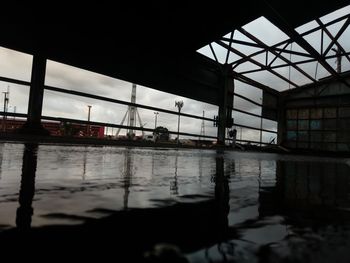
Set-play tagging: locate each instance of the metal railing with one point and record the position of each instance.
(116, 101)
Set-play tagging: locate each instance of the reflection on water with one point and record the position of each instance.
(214, 207)
(27, 189)
(127, 175)
(306, 185)
(173, 184)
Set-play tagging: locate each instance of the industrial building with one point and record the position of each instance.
(278, 74)
(214, 62)
(317, 116)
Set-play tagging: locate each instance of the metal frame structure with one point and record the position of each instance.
(194, 75)
(279, 56)
(119, 126)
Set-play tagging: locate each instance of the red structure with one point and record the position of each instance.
(58, 128)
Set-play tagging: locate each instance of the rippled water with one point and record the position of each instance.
(215, 206)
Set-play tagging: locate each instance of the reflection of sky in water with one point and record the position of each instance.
(266, 191)
(76, 180)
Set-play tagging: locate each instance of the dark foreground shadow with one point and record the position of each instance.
(122, 236)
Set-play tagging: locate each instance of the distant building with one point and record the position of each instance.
(57, 128)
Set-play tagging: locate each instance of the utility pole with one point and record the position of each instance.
(178, 104)
(261, 122)
(261, 126)
(202, 133)
(6, 101)
(88, 126)
(155, 119)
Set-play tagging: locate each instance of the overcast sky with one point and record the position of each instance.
(18, 65)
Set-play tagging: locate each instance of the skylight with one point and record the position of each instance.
(263, 53)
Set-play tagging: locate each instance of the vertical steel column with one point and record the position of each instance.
(36, 95)
(27, 190)
(281, 121)
(226, 103)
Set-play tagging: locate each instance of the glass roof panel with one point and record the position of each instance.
(338, 13)
(306, 27)
(220, 52)
(239, 36)
(309, 68)
(206, 52)
(246, 66)
(269, 79)
(265, 31)
(314, 39)
(273, 37)
(248, 91)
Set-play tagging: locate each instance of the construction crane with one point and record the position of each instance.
(131, 115)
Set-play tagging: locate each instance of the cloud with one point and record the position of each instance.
(68, 106)
(15, 65)
(68, 77)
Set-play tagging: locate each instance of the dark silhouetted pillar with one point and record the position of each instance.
(226, 103)
(222, 197)
(26, 193)
(36, 95)
(281, 122)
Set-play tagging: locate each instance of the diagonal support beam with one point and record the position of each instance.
(214, 54)
(333, 38)
(228, 51)
(288, 41)
(254, 83)
(280, 23)
(257, 63)
(279, 53)
(295, 63)
(247, 34)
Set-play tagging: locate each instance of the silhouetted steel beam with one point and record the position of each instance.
(101, 98)
(247, 99)
(213, 52)
(253, 128)
(325, 25)
(296, 63)
(230, 44)
(280, 23)
(15, 81)
(263, 46)
(288, 41)
(256, 63)
(247, 34)
(102, 124)
(241, 42)
(36, 96)
(334, 40)
(254, 83)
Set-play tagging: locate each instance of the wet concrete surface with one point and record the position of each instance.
(119, 203)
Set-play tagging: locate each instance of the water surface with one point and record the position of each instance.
(214, 206)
